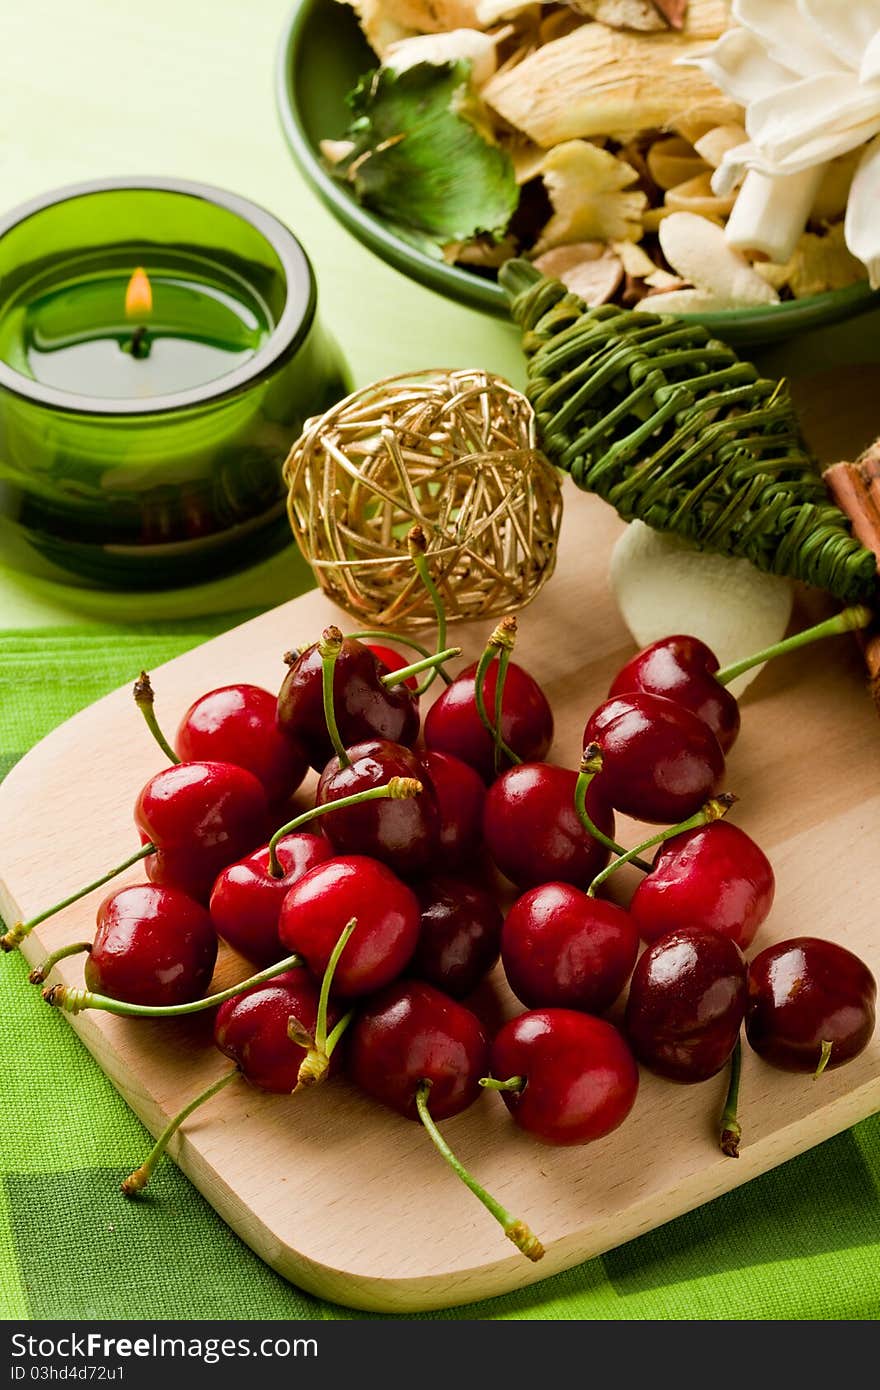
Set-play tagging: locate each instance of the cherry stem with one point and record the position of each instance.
(20, 930)
(824, 1058)
(427, 663)
(418, 545)
(501, 640)
(317, 1059)
(591, 766)
(378, 635)
(395, 789)
(513, 1083)
(329, 648)
(137, 1181)
(849, 620)
(73, 1001)
(515, 1230)
(143, 698)
(715, 809)
(39, 972)
(731, 1131)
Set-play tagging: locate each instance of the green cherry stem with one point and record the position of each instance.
(714, 809)
(513, 1083)
(137, 1181)
(144, 699)
(316, 1061)
(848, 620)
(418, 546)
(731, 1131)
(824, 1058)
(501, 640)
(39, 973)
(395, 789)
(73, 1001)
(590, 767)
(329, 648)
(404, 640)
(515, 1230)
(427, 663)
(19, 931)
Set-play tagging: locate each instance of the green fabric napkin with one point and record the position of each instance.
(802, 1242)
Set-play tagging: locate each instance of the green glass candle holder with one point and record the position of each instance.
(159, 353)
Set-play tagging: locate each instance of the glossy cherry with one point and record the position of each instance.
(320, 903)
(683, 669)
(459, 936)
(154, 945)
(460, 794)
(246, 900)
(365, 708)
(563, 949)
(532, 830)
(239, 724)
(453, 724)
(393, 661)
(811, 1004)
(566, 1077)
(715, 876)
(686, 1004)
(660, 762)
(253, 1029)
(401, 833)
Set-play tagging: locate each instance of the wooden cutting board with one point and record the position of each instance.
(350, 1201)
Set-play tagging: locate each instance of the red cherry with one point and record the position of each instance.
(715, 877)
(200, 816)
(578, 1077)
(393, 661)
(683, 669)
(154, 946)
(460, 794)
(532, 830)
(453, 724)
(412, 1033)
(239, 724)
(660, 762)
(252, 1029)
(686, 1004)
(319, 905)
(364, 707)
(563, 949)
(401, 833)
(246, 900)
(459, 937)
(811, 1004)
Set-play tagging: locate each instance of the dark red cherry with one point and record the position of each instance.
(683, 669)
(686, 1004)
(412, 1033)
(460, 794)
(453, 724)
(239, 724)
(402, 833)
(364, 707)
(715, 876)
(660, 762)
(323, 901)
(580, 1079)
(246, 900)
(532, 830)
(154, 945)
(563, 949)
(804, 993)
(393, 661)
(459, 937)
(252, 1029)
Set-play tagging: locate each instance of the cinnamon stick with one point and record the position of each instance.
(855, 488)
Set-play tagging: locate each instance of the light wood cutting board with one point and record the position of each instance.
(350, 1201)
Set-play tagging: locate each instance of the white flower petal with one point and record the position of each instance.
(846, 26)
(738, 65)
(869, 68)
(780, 125)
(770, 214)
(863, 213)
(734, 167)
(787, 36)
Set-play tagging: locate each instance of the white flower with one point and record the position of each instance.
(808, 74)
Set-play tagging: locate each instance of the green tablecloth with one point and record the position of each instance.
(801, 1242)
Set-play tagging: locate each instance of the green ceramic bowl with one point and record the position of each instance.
(321, 56)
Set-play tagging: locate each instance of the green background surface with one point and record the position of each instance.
(185, 87)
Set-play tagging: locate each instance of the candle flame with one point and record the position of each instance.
(139, 295)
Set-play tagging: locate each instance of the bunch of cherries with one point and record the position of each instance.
(372, 914)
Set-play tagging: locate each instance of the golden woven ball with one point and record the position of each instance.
(451, 451)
